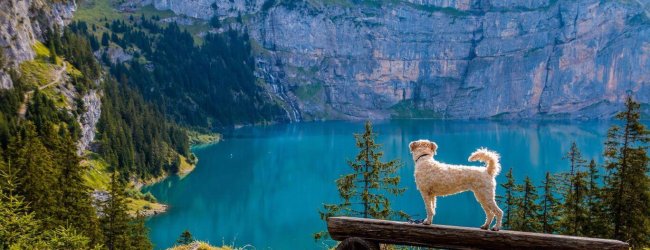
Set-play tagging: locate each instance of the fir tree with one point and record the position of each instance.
(364, 191)
(115, 220)
(549, 205)
(627, 186)
(595, 226)
(510, 200)
(139, 234)
(574, 210)
(185, 238)
(527, 216)
(52, 52)
(17, 225)
(75, 200)
(36, 174)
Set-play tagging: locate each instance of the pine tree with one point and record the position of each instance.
(364, 191)
(18, 226)
(114, 219)
(185, 238)
(595, 226)
(627, 186)
(510, 200)
(574, 210)
(75, 200)
(139, 234)
(549, 205)
(36, 174)
(527, 216)
(52, 52)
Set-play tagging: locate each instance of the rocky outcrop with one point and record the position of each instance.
(445, 58)
(22, 22)
(89, 118)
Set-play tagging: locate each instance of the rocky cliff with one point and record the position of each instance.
(22, 22)
(445, 58)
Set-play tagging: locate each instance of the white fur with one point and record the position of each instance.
(435, 178)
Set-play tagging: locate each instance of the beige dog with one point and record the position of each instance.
(434, 179)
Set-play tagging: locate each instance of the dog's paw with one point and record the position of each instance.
(484, 227)
(426, 222)
(495, 228)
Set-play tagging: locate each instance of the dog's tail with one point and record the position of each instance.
(490, 158)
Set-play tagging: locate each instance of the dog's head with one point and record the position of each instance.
(421, 147)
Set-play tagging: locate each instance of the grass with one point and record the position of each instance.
(94, 12)
(40, 71)
(186, 166)
(197, 138)
(136, 205)
(98, 176)
(201, 245)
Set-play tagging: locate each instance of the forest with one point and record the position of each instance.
(211, 85)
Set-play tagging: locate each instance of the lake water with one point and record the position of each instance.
(263, 186)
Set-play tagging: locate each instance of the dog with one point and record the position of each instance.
(434, 179)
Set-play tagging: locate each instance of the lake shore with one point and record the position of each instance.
(197, 139)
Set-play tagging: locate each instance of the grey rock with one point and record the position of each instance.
(88, 119)
(446, 58)
(22, 22)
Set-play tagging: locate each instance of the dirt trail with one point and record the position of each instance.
(28, 95)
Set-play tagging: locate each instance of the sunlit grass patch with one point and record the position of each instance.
(201, 245)
(37, 72)
(98, 176)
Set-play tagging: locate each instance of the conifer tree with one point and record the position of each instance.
(364, 191)
(115, 220)
(510, 199)
(574, 210)
(627, 186)
(549, 205)
(185, 238)
(527, 216)
(139, 234)
(75, 200)
(595, 226)
(52, 52)
(18, 226)
(36, 174)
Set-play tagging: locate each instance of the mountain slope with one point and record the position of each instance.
(445, 59)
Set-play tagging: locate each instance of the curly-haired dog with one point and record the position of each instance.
(435, 178)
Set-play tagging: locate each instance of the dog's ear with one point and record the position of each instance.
(433, 146)
(412, 146)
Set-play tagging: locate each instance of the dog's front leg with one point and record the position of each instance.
(430, 205)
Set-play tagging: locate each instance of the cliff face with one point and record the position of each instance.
(22, 22)
(446, 58)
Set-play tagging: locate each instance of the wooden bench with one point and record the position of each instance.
(360, 233)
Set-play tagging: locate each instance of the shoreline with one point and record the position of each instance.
(186, 167)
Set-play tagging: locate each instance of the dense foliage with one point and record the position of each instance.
(209, 85)
(610, 204)
(134, 138)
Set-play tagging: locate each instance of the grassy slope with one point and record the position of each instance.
(98, 177)
(200, 245)
(98, 11)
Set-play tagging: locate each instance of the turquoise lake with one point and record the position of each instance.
(263, 186)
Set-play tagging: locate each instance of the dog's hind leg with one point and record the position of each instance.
(430, 205)
(497, 211)
(489, 215)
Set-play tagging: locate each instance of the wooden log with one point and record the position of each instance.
(439, 236)
(355, 243)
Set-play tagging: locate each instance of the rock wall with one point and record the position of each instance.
(88, 120)
(22, 22)
(446, 58)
